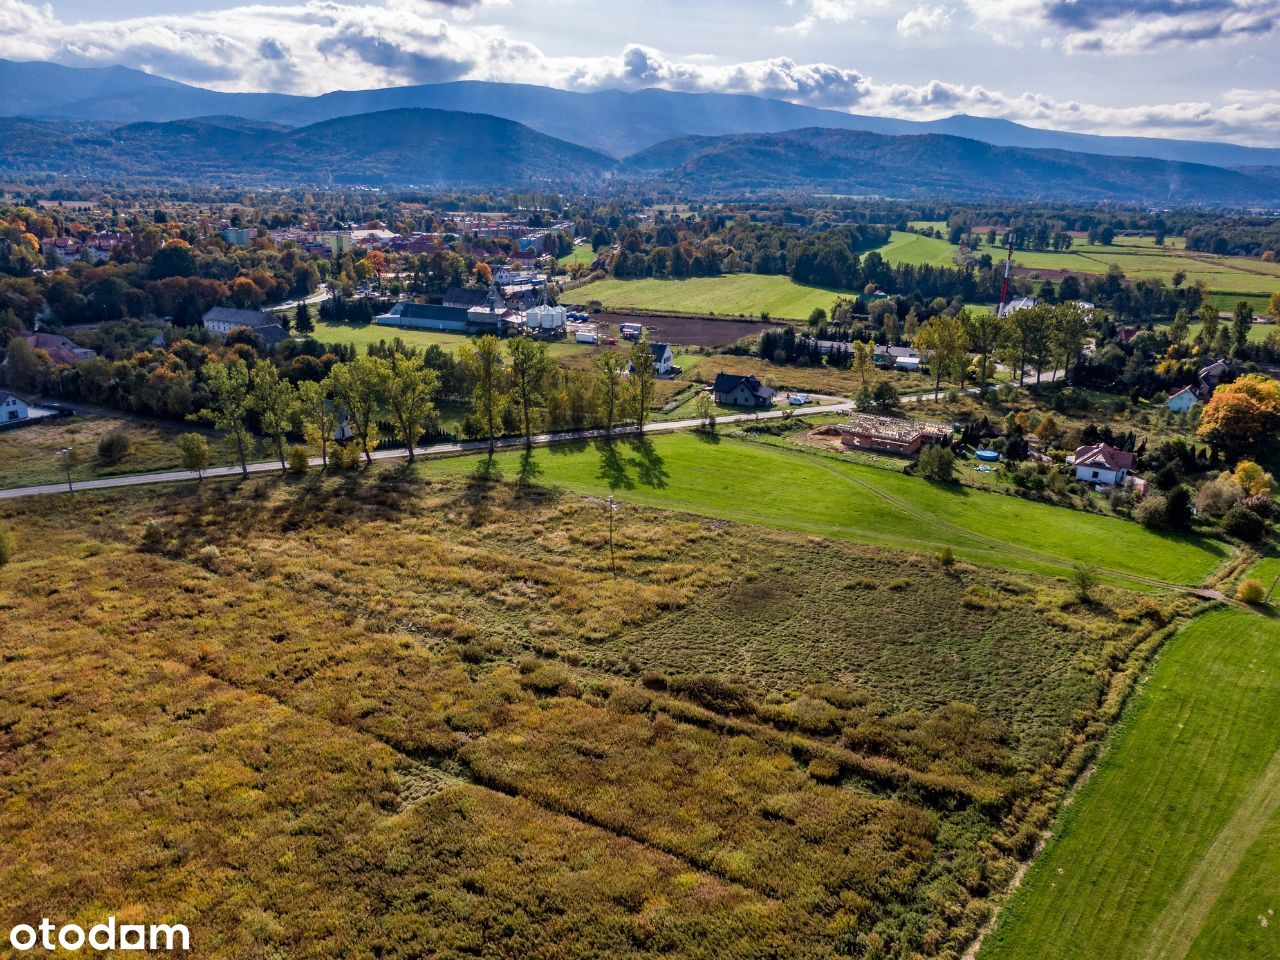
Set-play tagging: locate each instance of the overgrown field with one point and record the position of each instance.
(362, 335)
(1170, 851)
(31, 455)
(833, 497)
(394, 718)
(831, 381)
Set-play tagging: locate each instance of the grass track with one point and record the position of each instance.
(1169, 851)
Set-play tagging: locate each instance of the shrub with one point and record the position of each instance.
(346, 456)
(1153, 513)
(195, 452)
(824, 770)
(1085, 579)
(153, 537)
(114, 447)
(209, 556)
(946, 557)
(1243, 524)
(297, 459)
(1250, 591)
(1215, 497)
(6, 545)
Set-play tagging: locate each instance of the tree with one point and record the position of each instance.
(1240, 416)
(1241, 324)
(1243, 524)
(944, 339)
(986, 332)
(276, 403)
(1180, 328)
(229, 391)
(319, 415)
(302, 319)
(642, 378)
(1253, 480)
(862, 360)
(1085, 580)
(408, 389)
(482, 359)
(1208, 315)
(357, 387)
(25, 367)
(705, 408)
(530, 369)
(1273, 305)
(195, 453)
(610, 366)
(6, 545)
(937, 463)
(1070, 326)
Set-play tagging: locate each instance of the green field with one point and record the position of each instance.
(1169, 851)
(362, 335)
(832, 497)
(582, 253)
(1229, 278)
(744, 294)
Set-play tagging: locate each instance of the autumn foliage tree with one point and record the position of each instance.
(1240, 415)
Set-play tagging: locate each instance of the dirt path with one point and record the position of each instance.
(1186, 913)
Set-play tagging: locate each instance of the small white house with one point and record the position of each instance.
(664, 360)
(1182, 401)
(12, 408)
(1102, 464)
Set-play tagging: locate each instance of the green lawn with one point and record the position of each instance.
(920, 251)
(745, 294)
(362, 335)
(754, 483)
(1170, 850)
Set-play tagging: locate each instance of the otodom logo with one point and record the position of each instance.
(107, 935)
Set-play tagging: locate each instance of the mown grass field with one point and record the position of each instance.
(1169, 852)
(372, 716)
(738, 294)
(831, 497)
(29, 456)
(582, 253)
(362, 336)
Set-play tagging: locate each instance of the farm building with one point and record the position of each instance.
(1102, 464)
(1183, 400)
(896, 358)
(738, 390)
(61, 351)
(890, 434)
(225, 319)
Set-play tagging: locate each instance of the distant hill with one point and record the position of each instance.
(397, 147)
(611, 121)
(855, 162)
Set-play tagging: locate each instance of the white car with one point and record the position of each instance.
(798, 399)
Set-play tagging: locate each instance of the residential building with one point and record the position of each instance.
(1021, 303)
(737, 390)
(238, 236)
(61, 351)
(12, 408)
(1102, 464)
(1183, 400)
(225, 319)
(891, 434)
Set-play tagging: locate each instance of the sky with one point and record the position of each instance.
(1199, 69)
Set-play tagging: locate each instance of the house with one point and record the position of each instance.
(896, 358)
(64, 250)
(225, 319)
(61, 351)
(12, 408)
(737, 390)
(891, 435)
(270, 334)
(1102, 464)
(1021, 303)
(1183, 400)
(1213, 374)
(663, 360)
(238, 236)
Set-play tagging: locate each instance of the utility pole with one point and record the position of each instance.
(613, 506)
(65, 453)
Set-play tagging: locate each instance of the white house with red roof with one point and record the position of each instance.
(1102, 464)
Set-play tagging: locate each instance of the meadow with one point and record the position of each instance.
(363, 335)
(582, 253)
(373, 715)
(833, 497)
(1169, 851)
(737, 294)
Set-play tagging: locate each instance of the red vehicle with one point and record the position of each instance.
(612, 341)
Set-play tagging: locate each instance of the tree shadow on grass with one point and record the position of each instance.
(650, 467)
(707, 436)
(530, 469)
(566, 447)
(613, 470)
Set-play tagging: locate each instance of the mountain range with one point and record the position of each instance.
(66, 122)
(610, 121)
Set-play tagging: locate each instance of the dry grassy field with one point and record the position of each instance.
(382, 716)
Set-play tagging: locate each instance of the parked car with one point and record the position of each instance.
(798, 399)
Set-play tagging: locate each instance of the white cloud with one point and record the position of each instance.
(323, 45)
(923, 20)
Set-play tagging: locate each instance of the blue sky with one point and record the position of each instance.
(1192, 68)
